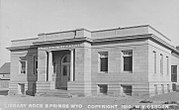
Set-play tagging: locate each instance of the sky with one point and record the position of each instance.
(20, 19)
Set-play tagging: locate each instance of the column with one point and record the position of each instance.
(71, 65)
(50, 66)
(42, 65)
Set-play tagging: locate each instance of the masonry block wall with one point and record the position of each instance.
(82, 83)
(152, 57)
(159, 68)
(115, 77)
(29, 78)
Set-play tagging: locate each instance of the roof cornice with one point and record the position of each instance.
(63, 41)
(110, 39)
(21, 47)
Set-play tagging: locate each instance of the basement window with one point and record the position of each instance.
(102, 88)
(127, 89)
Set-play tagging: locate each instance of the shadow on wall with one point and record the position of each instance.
(30, 71)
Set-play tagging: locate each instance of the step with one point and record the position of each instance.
(56, 93)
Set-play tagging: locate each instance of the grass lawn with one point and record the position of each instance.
(80, 103)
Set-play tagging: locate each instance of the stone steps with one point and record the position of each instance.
(56, 93)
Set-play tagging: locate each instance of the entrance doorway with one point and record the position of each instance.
(65, 71)
(62, 60)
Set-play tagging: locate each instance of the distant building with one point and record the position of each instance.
(4, 78)
(5, 71)
(134, 61)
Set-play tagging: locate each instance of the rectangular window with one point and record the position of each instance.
(103, 63)
(162, 87)
(168, 88)
(167, 65)
(155, 62)
(174, 87)
(23, 66)
(155, 89)
(174, 73)
(161, 64)
(103, 88)
(127, 89)
(127, 60)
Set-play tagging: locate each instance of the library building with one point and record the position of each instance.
(136, 61)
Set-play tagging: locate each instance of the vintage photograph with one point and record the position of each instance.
(89, 55)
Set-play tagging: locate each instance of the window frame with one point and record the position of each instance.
(127, 89)
(100, 89)
(103, 54)
(155, 62)
(155, 89)
(127, 53)
(174, 75)
(162, 88)
(168, 88)
(168, 65)
(161, 64)
(20, 66)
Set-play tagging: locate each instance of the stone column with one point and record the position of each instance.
(50, 70)
(42, 65)
(50, 66)
(71, 64)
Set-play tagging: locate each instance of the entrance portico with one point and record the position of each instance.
(65, 66)
(60, 68)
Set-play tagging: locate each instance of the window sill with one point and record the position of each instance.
(102, 72)
(127, 72)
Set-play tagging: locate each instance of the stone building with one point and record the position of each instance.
(134, 61)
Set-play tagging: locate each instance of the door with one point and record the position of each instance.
(65, 71)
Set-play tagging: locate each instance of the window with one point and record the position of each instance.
(65, 66)
(155, 62)
(127, 89)
(174, 73)
(168, 88)
(23, 66)
(155, 89)
(162, 87)
(102, 88)
(167, 65)
(127, 60)
(174, 87)
(103, 63)
(161, 64)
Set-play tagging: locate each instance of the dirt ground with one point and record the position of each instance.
(82, 103)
